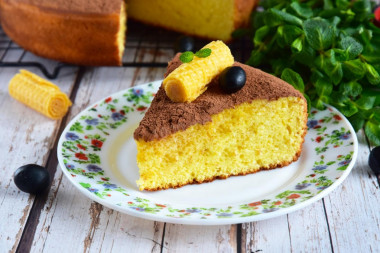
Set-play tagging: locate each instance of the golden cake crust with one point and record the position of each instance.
(78, 32)
(243, 9)
(168, 117)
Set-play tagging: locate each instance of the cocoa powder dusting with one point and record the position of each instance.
(165, 117)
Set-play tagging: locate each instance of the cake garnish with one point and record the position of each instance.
(32, 178)
(190, 80)
(188, 56)
(39, 94)
(232, 79)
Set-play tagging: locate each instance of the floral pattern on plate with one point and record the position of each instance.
(335, 149)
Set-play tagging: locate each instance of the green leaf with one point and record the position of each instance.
(348, 109)
(320, 61)
(352, 46)
(372, 75)
(339, 97)
(336, 72)
(318, 33)
(340, 54)
(306, 56)
(332, 44)
(280, 38)
(365, 36)
(352, 89)
(293, 78)
(372, 92)
(286, 17)
(354, 69)
(328, 5)
(371, 58)
(260, 35)
(365, 102)
(342, 4)
(297, 45)
(203, 53)
(372, 130)
(271, 19)
(186, 57)
(323, 87)
(278, 65)
(255, 58)
(362, 6)
(302, 10)
(291, 32)
(333, 68)
(357, 121)
(374, 114)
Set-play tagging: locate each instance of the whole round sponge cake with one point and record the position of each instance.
(84, 32)
(92, 32)
(262, 126)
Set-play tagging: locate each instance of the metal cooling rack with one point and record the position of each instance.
(139, 37)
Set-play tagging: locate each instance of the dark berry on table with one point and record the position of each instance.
(374, 160)
(377, 16)
(232, 79)
(32, 178)
(184, 43)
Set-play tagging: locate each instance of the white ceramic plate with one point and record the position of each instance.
(97, 153)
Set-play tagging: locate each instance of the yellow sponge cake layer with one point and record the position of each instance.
(250, 137)
(213, 19)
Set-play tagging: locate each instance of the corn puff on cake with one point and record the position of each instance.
(225, 131)
(188, 81)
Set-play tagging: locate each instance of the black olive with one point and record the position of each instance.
(232, 79)
(184, 43)
(32, 178)
(374, 160)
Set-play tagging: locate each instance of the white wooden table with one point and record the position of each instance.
(64, 220)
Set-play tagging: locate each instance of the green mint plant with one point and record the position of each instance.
(327, 49)
(188, 56)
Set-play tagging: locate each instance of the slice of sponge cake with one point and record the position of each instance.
(260, 127)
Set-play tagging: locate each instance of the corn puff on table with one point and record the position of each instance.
(64, 220)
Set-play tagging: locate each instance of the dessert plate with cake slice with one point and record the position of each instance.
(98, 153)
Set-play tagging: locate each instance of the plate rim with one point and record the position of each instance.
(199, 221)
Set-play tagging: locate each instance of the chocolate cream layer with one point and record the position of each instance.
(165, 117)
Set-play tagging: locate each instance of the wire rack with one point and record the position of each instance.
(140, 37)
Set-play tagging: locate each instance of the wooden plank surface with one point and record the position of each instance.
(266, 236)
(347, 220)
(308, 229)
(27, 137)
(353, 209)
(89, 226)
(185, 238)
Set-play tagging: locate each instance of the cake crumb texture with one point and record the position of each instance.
(251, 137)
